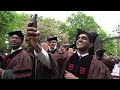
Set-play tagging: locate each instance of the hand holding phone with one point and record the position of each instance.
(32, 27)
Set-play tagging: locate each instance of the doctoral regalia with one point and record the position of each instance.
(18, 65)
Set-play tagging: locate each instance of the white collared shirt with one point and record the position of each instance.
(83, 55)
(16, 49)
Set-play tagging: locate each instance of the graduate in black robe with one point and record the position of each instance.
(79, 63)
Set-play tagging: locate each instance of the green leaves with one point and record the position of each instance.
(82, 21)
(5, 18)
(65, 31)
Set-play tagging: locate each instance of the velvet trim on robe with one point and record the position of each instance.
(21, 64)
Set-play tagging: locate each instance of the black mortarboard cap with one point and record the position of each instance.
(67, 46)
(72, 46)
(91, 35)
(19, 33)
(52, 38)
(100, 52)
(94, 36)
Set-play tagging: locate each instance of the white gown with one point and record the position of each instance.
(116, 71)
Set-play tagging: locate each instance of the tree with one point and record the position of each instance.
(6, 18)
(79, 20)
(84, 22)
(50, 27)
(19, 22)
(65, 31)
(47, 26)
(10, 21)
(117, 51)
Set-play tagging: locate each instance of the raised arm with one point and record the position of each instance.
(32, 37)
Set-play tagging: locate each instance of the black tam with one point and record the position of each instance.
(91, 35)
(19, 33)
(52, 38)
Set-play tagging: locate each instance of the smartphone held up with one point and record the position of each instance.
(34, 20)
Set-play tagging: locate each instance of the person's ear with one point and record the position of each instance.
(90, 45)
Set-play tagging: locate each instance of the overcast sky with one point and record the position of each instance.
(108, 20)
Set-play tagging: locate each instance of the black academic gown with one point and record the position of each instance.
(79, 66)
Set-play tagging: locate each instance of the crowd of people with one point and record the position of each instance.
(47, 61)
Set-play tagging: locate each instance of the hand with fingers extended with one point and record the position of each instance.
(32, 37)
(62, 49)
(69, 75)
